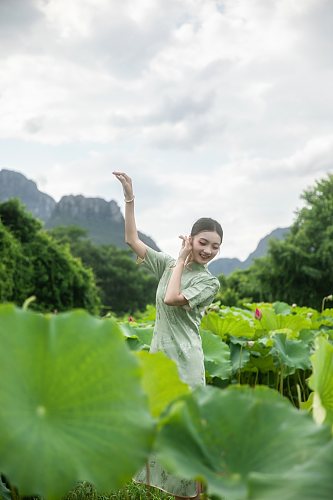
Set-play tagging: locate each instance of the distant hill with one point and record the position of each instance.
(227, 265)
(16, 185)
(103, 220)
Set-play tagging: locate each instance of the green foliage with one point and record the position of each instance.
(309, 481)
(124, 287)
(274, 350)
(12, 261)
(71, 406)
(32, 263)
(238, 287)
(217, 356)
(156, 369)
(74, 405)
(227, 436)
(132, 491)
(321, 381)
(298, 269)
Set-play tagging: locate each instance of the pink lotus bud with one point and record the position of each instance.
(258, 314)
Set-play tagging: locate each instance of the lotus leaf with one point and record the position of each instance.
(223, 437)
(229, 325)
(138, 337)
(160, 380)
(217, 355)
(71, 403)
(312, 480)
(282, 308)
(321, 380)
(240, 356)
(291, 353)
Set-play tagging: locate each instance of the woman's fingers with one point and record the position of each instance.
(186, 241)
(122, 174)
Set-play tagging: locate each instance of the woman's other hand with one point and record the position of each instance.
(126, 182)
(186, 249)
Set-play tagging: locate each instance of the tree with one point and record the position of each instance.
(299, 269)
(33, 264)
(124, 287)
(239, 287)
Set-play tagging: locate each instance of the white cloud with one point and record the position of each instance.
(215, 107)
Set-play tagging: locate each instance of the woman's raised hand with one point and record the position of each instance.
(186, 249)
(126, 182)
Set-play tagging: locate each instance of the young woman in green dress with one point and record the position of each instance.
(185, 288)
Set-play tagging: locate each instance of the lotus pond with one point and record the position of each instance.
(83, 402)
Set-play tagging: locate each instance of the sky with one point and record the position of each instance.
(215, 108)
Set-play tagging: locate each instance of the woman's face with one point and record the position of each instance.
(205, 246)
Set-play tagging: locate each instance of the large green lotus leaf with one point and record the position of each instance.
(229, 325)
(138, 338)
(160, 380)
(292, 322)
(293, 354)
(282, 308)
(239, 356)
(310, 481)
(216, 354)
(295, 323)
(224, 436)
(321, 380)
(263, 363)
(71, 403)
(236, 312)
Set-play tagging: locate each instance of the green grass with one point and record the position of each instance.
(132, 491)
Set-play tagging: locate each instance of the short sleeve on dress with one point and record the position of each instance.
(156, 262)
(201, 291)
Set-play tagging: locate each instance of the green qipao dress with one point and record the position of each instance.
(176, 333)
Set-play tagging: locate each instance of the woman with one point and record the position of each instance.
(185, 288)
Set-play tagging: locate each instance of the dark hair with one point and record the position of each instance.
(207, 224)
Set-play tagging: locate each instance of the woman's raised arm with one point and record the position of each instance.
(131, 233)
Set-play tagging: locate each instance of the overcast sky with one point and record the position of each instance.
(217, 108)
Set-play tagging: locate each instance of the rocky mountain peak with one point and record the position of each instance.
(102, 219)
(15, 185)
(90, 208)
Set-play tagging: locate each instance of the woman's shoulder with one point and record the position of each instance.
(206, 276)
(157, 255)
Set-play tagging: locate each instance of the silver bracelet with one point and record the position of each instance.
(129, 201)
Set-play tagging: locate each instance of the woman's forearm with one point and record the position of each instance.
(131, 233)
(173, 295)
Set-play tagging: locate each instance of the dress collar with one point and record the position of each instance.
(195, 266)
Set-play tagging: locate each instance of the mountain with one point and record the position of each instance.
(16, 185)
(228, 265)
(103, 220)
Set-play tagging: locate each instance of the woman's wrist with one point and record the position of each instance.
(130, 199)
